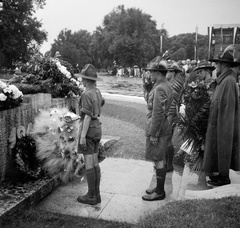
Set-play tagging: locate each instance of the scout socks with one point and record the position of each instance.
(97, 182)
(90, 197)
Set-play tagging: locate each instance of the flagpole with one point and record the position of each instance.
(221, 49)
(161, 41)
(196, 30)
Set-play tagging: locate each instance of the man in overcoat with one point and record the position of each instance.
(222, 151)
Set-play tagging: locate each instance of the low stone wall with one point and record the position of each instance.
(10, 121)
(15, 120)
(38, 101)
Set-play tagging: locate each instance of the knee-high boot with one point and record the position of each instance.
(169, 155)
(157, 193)
(90, 197)
(97, 182)
(161, 176)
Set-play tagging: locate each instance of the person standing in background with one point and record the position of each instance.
(158, 127)
(222, 151)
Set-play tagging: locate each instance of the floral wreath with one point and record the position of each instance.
(193, 121)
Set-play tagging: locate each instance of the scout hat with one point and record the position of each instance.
(157, 64)
(226, 57)
(89, 72)
(192, 77)
(174, 67)
(204, 65)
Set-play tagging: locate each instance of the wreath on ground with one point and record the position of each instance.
(24, 156)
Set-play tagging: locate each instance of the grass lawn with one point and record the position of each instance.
(214, 213)
(126, 120)
(41, 219)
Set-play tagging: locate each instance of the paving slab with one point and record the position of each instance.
(123, 183)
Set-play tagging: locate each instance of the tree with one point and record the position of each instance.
(128, 37)
(202, 47)
(20, 32)
(74, 47)
(179, 54)
(183, 46)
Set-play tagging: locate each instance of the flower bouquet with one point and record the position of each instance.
(192, 122)
(10, 96)
(49, 75)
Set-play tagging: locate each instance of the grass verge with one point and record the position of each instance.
(214, 213)
(126, 120)
(39, 219)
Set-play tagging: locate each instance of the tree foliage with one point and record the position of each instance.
(19, 30)
(128, 36)
(182, 46)
(74, 47)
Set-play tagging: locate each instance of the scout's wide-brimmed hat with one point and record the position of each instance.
(89, 72)
(192, 77)
(226, 57)
(157, 64)
(174, 67)
(204, 65)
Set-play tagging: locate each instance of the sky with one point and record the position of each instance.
(176, 16)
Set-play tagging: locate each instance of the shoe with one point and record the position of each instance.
(150, 190)
(86, 199)
(219, 182)
(154, 196)
(214, 178)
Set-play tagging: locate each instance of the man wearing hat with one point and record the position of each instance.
(204, 71)
(158, 127)
(176, 77)
(222, 151)
(90, 133)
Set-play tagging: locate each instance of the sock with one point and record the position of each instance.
(98, 178)
(91, 178)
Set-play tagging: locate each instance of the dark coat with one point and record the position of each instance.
(159, 101)
(222, 139)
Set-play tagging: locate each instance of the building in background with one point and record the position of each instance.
(221, 36)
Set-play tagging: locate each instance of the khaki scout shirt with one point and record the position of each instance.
(90, 104)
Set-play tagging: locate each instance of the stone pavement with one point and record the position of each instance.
(123, 183)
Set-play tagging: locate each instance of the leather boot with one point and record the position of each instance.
(90, 197)
(97, 182)
(169, 156)
(220, 180)
(151, 190)
(159, 193)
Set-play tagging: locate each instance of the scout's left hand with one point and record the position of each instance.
(154, 140)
